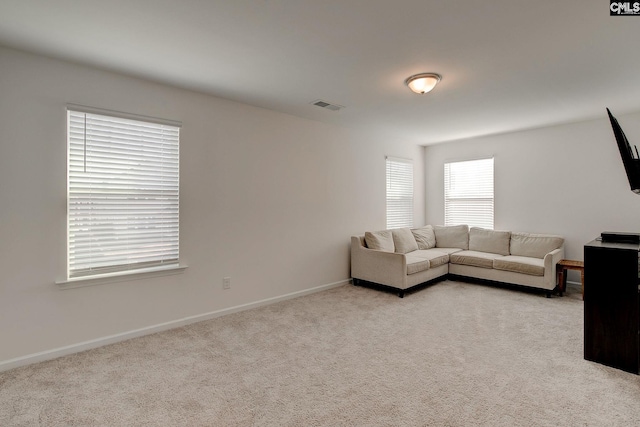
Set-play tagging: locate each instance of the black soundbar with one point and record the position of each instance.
(615, 237)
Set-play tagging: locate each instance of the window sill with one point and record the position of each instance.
(121, 276)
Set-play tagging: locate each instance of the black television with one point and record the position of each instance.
(630, 156)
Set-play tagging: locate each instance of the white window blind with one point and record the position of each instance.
(399, 193)
(123, 181)
(468, 193)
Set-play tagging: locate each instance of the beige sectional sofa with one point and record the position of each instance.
(404, 258)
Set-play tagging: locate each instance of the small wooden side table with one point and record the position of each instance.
(561, 269)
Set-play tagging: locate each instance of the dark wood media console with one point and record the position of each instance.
(611, 304)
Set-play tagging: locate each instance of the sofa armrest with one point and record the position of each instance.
(550, 261)
(386, 268)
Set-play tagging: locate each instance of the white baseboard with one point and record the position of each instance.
(111, 339)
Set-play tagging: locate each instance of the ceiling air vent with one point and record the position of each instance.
(327, 105)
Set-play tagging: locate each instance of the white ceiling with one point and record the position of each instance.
(505, 64)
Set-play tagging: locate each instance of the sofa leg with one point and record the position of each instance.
(548, 294)
(401, 294)
(355, 282)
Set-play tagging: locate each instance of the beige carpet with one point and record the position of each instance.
(453, 354)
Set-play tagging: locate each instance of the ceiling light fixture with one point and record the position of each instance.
(423, 83)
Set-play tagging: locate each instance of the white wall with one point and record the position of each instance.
(568, 180)
(266, 198)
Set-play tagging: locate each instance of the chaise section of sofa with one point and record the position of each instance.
(405, 258)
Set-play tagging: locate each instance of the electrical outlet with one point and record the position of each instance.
(226, 283)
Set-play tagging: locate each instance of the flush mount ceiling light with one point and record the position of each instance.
(423, 83)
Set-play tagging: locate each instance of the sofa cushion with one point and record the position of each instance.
(534, 245)
(404, 241)
(425, 237)
(449, 251)
(520, 264)
(452, 236)
(416, 264)
(474, 258)
(379, 240)
(436, 257)
(483, 240)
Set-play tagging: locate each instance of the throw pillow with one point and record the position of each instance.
(425, 237)
(379, 240)
(404, 241)
(452, 236)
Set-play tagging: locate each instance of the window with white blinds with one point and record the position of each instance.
(468, 193)
(123, 182)
(399, 193)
